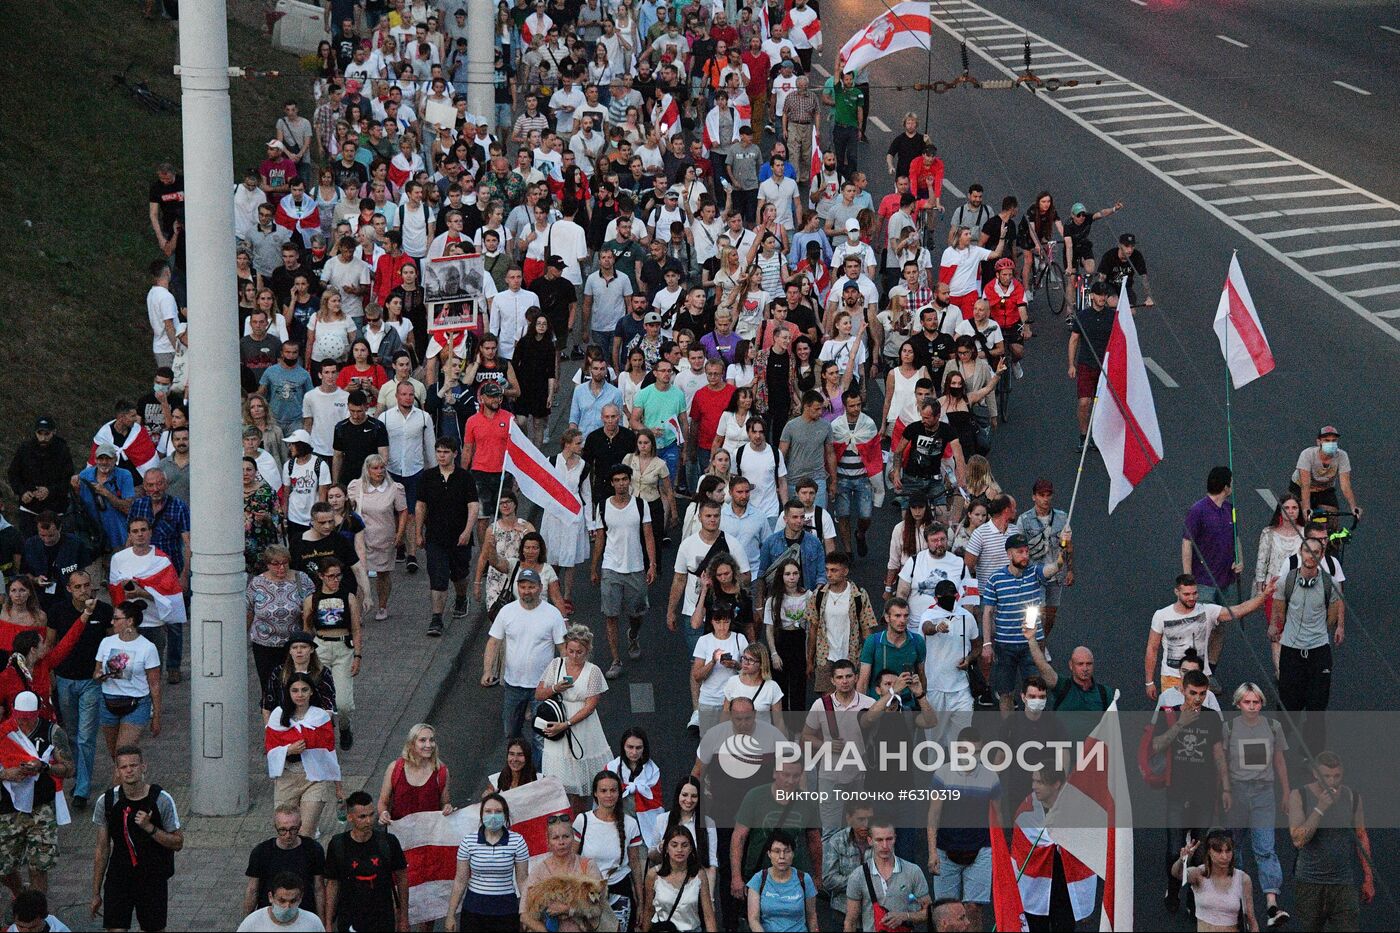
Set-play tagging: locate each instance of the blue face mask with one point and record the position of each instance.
(284, 914)
(494, 822)
(1329, 448)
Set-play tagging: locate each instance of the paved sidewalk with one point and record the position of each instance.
(405, 673)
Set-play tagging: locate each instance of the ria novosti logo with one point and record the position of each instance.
(740, 756)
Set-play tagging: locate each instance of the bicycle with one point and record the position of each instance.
(1338, 533)
(151, 101)
(1049, 275)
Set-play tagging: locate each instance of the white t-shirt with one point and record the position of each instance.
(763, 700)
(780, 192)
(1182, 630)
(414, 226)
(568, 241)
(622, 553)
(303, 481)
(828, 528)
(690, 382)
(839, 351)
(991, 334)
(326, 410)
(689, 555)
(339, 275)
(260, 922)
(127, 662)
(945, 649)
(923, 572)
(757, 466)
(860, 250)
(836, 610)
(712, 687)
(966, 264)
(988, 545)
(598, 844)
(531, 636)
(161, 307)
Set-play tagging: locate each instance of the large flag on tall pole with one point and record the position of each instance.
(1092, 819)
(537, 478)
(907, 25)
(1125, 416)
(1242, 341)
(1008, 912)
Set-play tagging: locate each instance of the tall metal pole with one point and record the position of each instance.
(218, 644)
(481, 70)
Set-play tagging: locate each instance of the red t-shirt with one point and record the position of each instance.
(374, 376)
(759, 64)
(705, 409)
(490, 435)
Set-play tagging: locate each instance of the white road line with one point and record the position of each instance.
(1281, 179)
(1074, 100)
(1318, 231)
(1243, 166)
(1138, 118)
(1015, 45)
(1358, 270)
(1269, 498)
(1140, 2)
(1391, 29)
(1198, 121)
(1191, 140)
(821, 69)
(1161, 374)
(1353, 88)
(1292, 195)
(1205, 154)
(1235, 42)
(1101, 107)
(1344, 248)
(880, 124)
(1392, 313)
(953, 188)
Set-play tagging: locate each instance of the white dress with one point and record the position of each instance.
(588, 742)
(567, 540)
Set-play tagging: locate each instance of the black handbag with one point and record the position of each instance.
(552, 711)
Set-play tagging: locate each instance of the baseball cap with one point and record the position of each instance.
(299, 436)
(945, 588)
(1099, 288)
(26, 702)
(352, 86)
(555, 261)
(1078, 209)
(918, 502)
(1328, 430)
(652, 318)
(852, 224)
(674, 191)
(105, 450)
(529, 576)
(274, 144)
(44, 423)
(785, 63)
(1128, 239)
(1004, 263)
(492, 388)
(301, 638)
(851, 286)
(1016, 541)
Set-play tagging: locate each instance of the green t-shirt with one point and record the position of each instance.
(627, 255)
(762, 814)
(881, 654)
(659, 407)
(848, 101)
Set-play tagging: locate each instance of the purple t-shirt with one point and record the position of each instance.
(722, 347)
(1213, 531)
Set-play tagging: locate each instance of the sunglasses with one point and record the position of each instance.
(558, 818)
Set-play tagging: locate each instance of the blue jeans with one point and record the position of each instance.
(1254, 812)
(517, 715)
(853, 499)
(174, 646)
(672, 456)
(820, 480)
(78, 702)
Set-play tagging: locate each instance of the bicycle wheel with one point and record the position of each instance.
(1053, 284)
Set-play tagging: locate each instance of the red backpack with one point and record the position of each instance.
(1155, 767)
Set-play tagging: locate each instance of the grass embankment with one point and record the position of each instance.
(75, 168)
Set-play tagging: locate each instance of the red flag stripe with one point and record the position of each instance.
(1138, 456)
(521, 462)
(431, 863)
(1249, 332)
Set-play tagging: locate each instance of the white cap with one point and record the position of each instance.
(26, 702)
(852, 225)
(299, 436)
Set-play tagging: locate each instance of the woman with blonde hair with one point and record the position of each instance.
(417, 781)
(257, 414)
(383, 508)
(1254, 747)
(755, 682)
(579, 684)
(980, 485)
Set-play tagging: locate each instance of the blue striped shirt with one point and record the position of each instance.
(1010, 594)
(491, 890)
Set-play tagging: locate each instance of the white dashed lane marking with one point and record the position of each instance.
(1235, 42)
(1353, 88)
(1161, 374)
(879, 124)
(1269, 498)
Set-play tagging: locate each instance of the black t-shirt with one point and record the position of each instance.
(926, 446)
(259, 354)
(1114, 269)
(349, 178)
(171, 201)
(1094, 328)
(1016, 731)
(307, 557)
(83, 658)
(926, 350)
(345, 46)
(365, 873)
(1193, 772)
(151, 414)
(805, 319)
(355, 442)
(447, 500)
(905, 149)
(779, 376)
(602, 453)
(281, 279)
(993, 228)
(307, 861)
(1078, 231)
(555, 296)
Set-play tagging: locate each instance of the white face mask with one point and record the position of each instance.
(1035, 705)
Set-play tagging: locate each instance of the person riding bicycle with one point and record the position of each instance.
(1125, 261)
(1007, 298)
(1080, 251)
(1043, 226)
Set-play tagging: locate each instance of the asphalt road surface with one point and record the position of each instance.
(1336, 357)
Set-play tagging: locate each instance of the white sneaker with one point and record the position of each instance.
(1017, 370)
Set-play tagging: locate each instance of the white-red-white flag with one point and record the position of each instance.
(805, 22)
(1092, 818)
(814, 170)
(1125, 416)
(537, 478)
(906, 25)
(138, 449)
(317, 730)
(710, 136)
(155, 574)
(666, 117)
(1242, 341)
(17, 748)
(430, 841)
(765, 30)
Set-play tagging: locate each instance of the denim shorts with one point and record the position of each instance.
(853, 499)
(1012, 666)
(140, 716)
